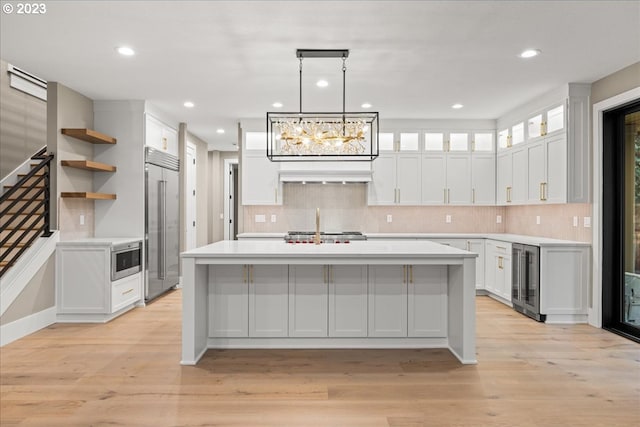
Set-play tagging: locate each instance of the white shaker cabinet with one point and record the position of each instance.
(483, 179)
(547, 170)
(228, 301)
(308, 301)
(446, 179)
(498, 269)
(511, 181)
(260, 180)
(434, 179)
(382, 188)
(347, 300)
(427, 300)
(387, 301)
(268, 300)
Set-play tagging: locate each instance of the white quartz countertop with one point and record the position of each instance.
(100, 241)
(512, 238)
(356, 249)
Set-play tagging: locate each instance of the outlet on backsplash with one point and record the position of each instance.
(447, 219)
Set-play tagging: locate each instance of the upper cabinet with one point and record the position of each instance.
(543, 149)
(260, 176)
(160, 136)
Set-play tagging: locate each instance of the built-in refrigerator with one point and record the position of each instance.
(162, 222)
(525, 284)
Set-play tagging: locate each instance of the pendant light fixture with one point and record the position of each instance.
(327, 136)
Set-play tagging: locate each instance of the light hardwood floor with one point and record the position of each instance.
(127, 373)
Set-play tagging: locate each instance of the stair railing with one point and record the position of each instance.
(19, 194)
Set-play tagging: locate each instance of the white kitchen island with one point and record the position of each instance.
(364, 294)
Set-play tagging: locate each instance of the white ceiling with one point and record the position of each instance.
(410, 59)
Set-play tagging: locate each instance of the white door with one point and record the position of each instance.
(408, 179)
(347, 301)
(268, 300)
(228, 301)
(229, 210)
(190, 198)
(458, 179)
(427, 301)
(483, 179)
(387, 301)
(434, 190)
(382, 188)
(308, 300)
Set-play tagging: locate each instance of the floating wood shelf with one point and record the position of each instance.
(88, 165)
(87, 195)
(89, 136)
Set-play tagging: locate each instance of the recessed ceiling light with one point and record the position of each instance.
(530, 53)
(457, 106)
(366, 105)
(125, 51)
(220, 130)
(189, 104)
(322, 83)
(277, 104)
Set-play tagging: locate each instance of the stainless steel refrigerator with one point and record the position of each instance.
(162, 222)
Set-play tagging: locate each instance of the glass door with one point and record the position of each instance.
(621, 221)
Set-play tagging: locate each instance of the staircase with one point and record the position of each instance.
(24, 211)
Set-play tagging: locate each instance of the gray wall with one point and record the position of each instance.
(621, 81)
(23, 124)
(38, 295)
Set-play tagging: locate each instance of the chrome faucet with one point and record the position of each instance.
(316, 238)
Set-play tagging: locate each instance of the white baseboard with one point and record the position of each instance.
(27, 325)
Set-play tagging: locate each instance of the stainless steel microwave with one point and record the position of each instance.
(125, 260)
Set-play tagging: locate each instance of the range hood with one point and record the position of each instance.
(310, 172)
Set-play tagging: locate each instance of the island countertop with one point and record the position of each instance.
(392, 251)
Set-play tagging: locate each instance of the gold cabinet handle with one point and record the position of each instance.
(544, 191)
(473, 195)
(127, 292)
(468, 245)
(509, 194)
(509, 144)
(276, 195)
(444, 196)
(473, 145)
(398, 195)
(541, 191)
(411, 274)
(500, 262)
(448, 195)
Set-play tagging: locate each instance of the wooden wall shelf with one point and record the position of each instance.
(89, 135)
(88, 165)
(87, 195)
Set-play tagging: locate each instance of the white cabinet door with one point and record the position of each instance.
(308, 300)
(83, 279)
(408, 179)
(382, 188)
(556, 158)
(536, 158)
(347, 301)
(507, 279)
(387, 301)
(483, 179)
(434, 179)
(427, 301)
(228, 301)
(477, 246)
(490, 267)
(268, 300)
(458, 179)
(519, 177)
(260, 180)
(504, 178)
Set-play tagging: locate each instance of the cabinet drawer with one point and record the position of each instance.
(125, 291)
(500, 248)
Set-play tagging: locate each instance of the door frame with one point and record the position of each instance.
(227, 206)
(595, 306)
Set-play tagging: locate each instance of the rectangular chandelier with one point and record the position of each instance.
(304, 136)
(322, 136)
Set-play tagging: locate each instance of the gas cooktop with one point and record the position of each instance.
(325, 236)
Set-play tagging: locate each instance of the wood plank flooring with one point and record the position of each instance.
(127, 373)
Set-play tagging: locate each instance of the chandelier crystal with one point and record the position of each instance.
(335, 136)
